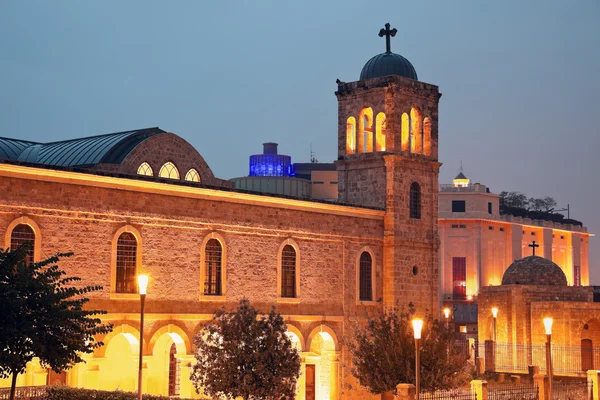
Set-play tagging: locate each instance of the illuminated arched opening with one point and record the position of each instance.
(405, 132)
(351, 135)
(326, 365)
(145, 169)
(169, 171)
(427, 137)
(119, 368)
(164, 373)
(192, 176)
(416, 131)
(20, 235)
(365, 130)
(380, 132)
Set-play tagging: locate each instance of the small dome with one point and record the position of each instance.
(388, 64)
(534, 270)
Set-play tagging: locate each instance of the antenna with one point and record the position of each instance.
(313, 159)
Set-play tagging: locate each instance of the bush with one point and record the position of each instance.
(69, 393)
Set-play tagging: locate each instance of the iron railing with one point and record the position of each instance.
(513, 391)
(567, 360)
(571, 391)
(25, 393)
(454, 394)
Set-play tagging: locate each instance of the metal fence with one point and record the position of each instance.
(457, 394)
(513, 391)
(571, 391)
(25, 393)
(567, 360)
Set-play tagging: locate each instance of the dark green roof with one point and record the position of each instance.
(111, 148)
(461, 176)
(385, 64)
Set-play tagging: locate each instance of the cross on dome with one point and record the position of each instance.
(534, 245)
(387, 32)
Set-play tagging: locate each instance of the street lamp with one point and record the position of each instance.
(447, 315)
(143, 284)
(495, 314)
(417, 326)
(548, 328)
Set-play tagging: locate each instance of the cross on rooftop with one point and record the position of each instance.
(534, 245)
(387, 32)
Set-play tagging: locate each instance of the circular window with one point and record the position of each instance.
(415, 271)
(586, 327)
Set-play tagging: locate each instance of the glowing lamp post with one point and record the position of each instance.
(548, 328)
(447, 315)
(143, 284)
(495, 315)
(417, 326)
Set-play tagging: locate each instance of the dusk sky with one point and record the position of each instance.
(520, 81)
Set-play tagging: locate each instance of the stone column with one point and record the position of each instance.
(334, 381)
(592, 379)
(406, 391)
(543, 384)
(186, 388)
(480, 388)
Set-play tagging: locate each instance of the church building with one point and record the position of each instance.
(145, 201)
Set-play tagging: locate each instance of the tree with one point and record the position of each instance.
(383, 353)
(247, 354)
(513, 200)
(42, 315)
(546, 204)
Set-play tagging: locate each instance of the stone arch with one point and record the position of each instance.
(366, 249)
(176, 333)
(122, 328)
(37, 244)
(380, 132)
(326, 333)
(427, 144)
(113, 259)
(118, 369)
(221, 240)
(294, 330)
(365, 130)
(288, 242)
(405, 139)
(350, 135)
(416, 131)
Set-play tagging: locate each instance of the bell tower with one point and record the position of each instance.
(388, 158)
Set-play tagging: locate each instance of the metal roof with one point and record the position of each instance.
(111, 148)
(385, 64)
(11, 148)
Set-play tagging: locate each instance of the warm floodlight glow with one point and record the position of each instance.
(470, 297)
(495, 312)
(447, 312)
(417, 326)
(548, 325)
(143, 283)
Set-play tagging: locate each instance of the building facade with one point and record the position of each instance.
(478, 243)
(146, 202)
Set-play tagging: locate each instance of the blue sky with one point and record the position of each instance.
(520, 80)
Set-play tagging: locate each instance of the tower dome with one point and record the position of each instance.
(534, 270)
(388, 63)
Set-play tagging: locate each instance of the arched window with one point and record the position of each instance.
(213, 267)
(20, 235)
(427, 137)
(365, 131)
(126, 264)
(405, 132)
(350, 135)
(380, 132)
(169, 170)
(288, 271)
(416, 132)
(415, 201)
(192, 176)
(174, 371)
(366, 277)
(145, 169)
